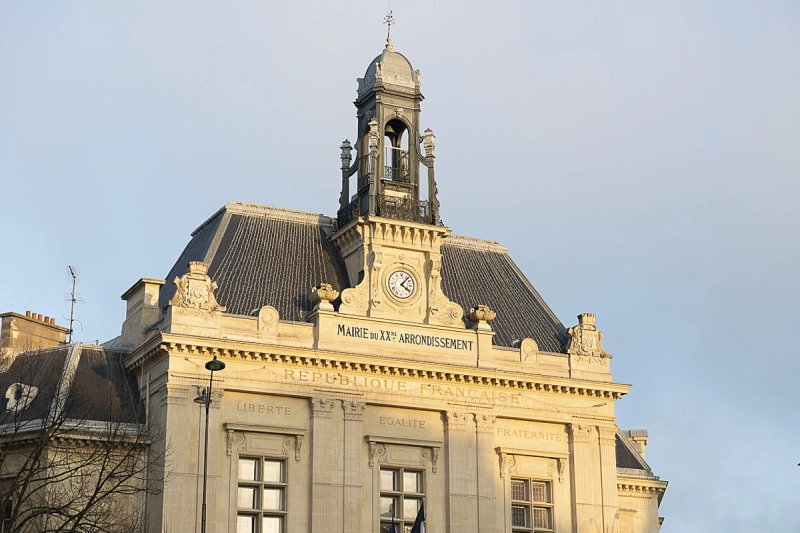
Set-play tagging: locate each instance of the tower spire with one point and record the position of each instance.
(389, 20)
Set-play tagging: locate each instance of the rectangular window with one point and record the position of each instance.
(402, 493)
(531, 506)
(261, 495)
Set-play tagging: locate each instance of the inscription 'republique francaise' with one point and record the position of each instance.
(397, 385)
(414, 339)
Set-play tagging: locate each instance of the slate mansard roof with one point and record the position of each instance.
(261, 255)
(88, 383)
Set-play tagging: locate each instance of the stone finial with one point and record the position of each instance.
(195, 290)
(346, 154)
(585, 339)
(427, 142)
(481, 315)
(323, 295)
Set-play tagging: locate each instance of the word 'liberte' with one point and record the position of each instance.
(403, 338)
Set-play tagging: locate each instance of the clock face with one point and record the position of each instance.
(401, 284)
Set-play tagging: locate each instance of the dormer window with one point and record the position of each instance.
(20, 396)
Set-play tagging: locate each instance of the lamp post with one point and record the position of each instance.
(205, 399)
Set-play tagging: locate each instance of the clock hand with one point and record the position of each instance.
(406, 287)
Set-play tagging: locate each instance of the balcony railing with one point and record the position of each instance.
(400, 175)
(353, 210)
(404, 209)
(391, 207)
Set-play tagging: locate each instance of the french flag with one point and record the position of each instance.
(419, 523)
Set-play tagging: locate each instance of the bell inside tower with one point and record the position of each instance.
(397, 166)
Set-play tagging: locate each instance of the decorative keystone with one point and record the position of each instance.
(323, 295)
(195, 290)
(481, 315)
(585, 339)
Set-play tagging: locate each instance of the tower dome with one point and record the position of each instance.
(389, 68)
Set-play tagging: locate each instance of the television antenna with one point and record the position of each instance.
(73, 297)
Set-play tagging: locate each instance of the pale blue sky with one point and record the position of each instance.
(640, 160)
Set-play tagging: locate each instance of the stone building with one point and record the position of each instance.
(375, 361)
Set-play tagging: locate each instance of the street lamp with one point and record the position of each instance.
(205, 399)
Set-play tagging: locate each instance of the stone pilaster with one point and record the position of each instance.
(353, 480)
(586, 495)
(484, 425)
(608, 477)
(326, 504)
(461, 484)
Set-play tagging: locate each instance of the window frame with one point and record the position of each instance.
(530, 505)
(260, 484)
(400, 496)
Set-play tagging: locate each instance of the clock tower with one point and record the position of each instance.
(389, 231)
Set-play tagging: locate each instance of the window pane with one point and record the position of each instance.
(518, 491)
(387, 507)
(410, 508)
(247, 498)
(273, 499)
(273, 471)
(411, 482)
(387, 480)
(519, 516)
(246, 524)
(407, 528)
(248, 469)
(539, 491)
(386, 527)
(272, 524)
(541, 518)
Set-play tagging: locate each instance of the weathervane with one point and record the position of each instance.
(389, 20)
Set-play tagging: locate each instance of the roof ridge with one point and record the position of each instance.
(475, 243)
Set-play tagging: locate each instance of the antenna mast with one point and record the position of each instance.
(73, 298)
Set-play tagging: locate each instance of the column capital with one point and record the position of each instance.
(485, 423)
(581, 433)
(456, 420)
(322, 407)
(353, 410)
(608, 435)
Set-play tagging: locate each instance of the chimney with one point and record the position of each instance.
(638, 438)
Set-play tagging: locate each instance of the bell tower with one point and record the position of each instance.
(389, 232)
(390, 181)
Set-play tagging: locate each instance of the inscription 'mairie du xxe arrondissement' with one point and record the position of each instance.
(414, 339)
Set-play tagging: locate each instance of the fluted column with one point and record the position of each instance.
(353, 480)
(326, 515)
(586, 487)
(486, 460)
(461, 490)
(608, 477)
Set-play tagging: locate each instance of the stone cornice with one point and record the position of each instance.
(644, 487)
(397, 368)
